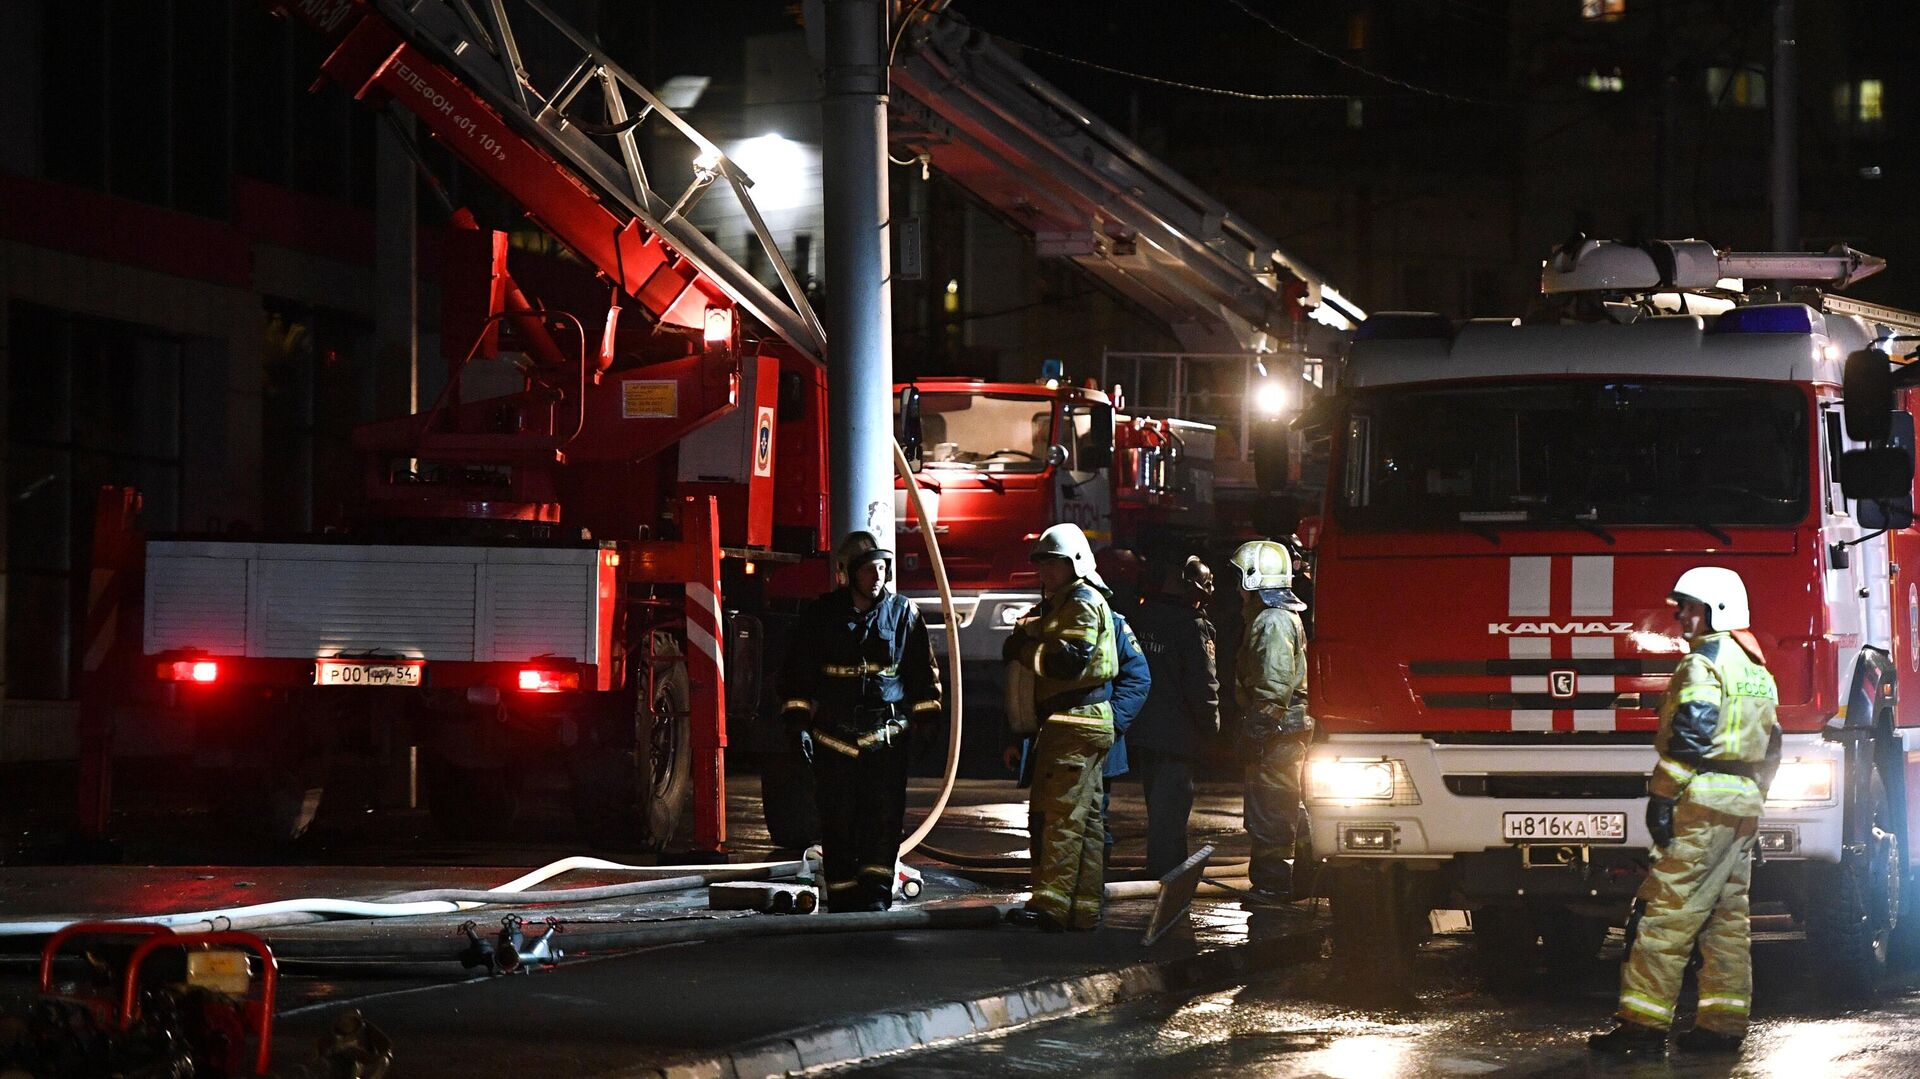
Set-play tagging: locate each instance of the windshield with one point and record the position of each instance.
(985, 432)
(1579, 452)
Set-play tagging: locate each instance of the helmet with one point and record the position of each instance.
(858, 548)
(1263, 564)
(1068, 542)
(1721, 590)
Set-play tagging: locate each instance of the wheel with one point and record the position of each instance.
(786, 799)
(1853, 909)
(632, 776)
(469, 802)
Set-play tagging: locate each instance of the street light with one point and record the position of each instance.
(779, 168)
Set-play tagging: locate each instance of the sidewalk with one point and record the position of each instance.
(771, 1006)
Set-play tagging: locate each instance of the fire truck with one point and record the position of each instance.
(1511, 501)
(577, 558)
(536, 584)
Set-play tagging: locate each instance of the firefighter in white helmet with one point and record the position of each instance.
(1719, 744)
(1270, 682)
(859, 669)
(1070, 647)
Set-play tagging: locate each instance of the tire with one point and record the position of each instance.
(1853, 909)
(467, 802)
(632, 777)
(786, 800)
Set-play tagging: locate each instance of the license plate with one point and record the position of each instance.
(1564, 827)
(353, 672)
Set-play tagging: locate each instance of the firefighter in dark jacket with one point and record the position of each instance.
(1182, 711)
(858, 672)
(1270, 680)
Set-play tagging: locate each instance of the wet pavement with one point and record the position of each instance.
(1447, 1018)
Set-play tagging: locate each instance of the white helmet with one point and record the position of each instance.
(1721, 590)
(1263, 564)
(1068, 542)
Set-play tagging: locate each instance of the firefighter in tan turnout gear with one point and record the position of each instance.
(1270, 681)
(1069, 645)
(1719, 744)
(859, 670)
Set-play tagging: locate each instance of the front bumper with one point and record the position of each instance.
(986, 619)
(1445, 825)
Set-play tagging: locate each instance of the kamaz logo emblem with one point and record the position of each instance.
(1540, 629)
(1562, 684)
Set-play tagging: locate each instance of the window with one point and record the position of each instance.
(1867, 109)
(90, 403)
(1739, 88)
(1611, 82)
(1603, 10)
(985, 432)
(1582, 453)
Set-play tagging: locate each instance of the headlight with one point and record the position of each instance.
(1007, 614)
(1359, 782)
(1802, 782)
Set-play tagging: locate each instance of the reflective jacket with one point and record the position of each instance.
(1717, 728)
(1271, 673)
(859, 672)
(1184, 708)
(1071, 649)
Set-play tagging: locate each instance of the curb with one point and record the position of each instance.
(861, 1039)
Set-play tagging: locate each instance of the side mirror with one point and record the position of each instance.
(1056, 455)
(1096, 446)
(1866, 384)
(906, 422)
(1272, 457)
(1880, 479)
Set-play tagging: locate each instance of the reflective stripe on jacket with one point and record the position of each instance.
(848, 668)
(1719, 710)
(1070, 647)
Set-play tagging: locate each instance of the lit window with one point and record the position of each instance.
(1867, 107)
(1356, 113)
(1602, 10)
(1357, 28)
(1608, 83)
(1736, 87)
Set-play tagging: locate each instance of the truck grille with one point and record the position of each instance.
(1549, 785)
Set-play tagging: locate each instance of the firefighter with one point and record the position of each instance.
(1070, 647)
(859, 670)
(1270, 682)
(1719, 745)
(1182, 710)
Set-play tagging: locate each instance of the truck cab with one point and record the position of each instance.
(1540, 486)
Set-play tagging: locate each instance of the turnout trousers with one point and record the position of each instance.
(1068, 879)
(1273, 809)
(1697, 890)
(862, 802)
(1167, 781)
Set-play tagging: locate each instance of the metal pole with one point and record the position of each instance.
(859, 301)
(1784, 95)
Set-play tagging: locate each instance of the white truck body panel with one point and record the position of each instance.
(308, 600)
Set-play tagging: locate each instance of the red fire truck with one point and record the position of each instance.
(1511, 501)
(537, 581)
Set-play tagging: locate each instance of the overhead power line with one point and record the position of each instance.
(1361, 68)
(1221, 91)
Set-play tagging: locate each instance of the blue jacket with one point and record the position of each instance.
(1130, 688)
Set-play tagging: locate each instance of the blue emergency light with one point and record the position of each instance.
(1053, 369)
(1767, 318)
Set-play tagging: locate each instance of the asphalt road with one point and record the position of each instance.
(1450, 1018)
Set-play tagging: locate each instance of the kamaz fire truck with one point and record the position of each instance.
(1511, 502)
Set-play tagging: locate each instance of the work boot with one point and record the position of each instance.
(1629, 1039)
(1046, 923)
(1702, 1040)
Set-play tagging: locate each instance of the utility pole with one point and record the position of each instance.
(1784, 96)
(859, 307)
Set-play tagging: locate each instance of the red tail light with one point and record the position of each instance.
(536, 680)
(202, 671)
